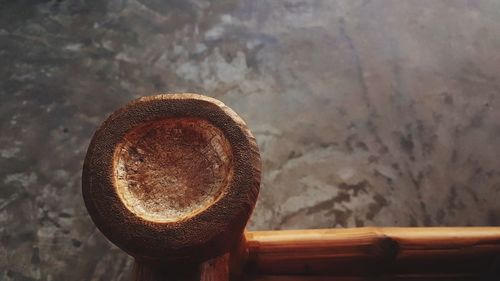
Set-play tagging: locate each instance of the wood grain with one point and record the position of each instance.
(171, 169)
(215, 269)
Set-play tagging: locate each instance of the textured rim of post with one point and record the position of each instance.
(208, 233)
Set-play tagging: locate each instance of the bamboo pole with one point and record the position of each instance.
(414, 277)
(374, 251)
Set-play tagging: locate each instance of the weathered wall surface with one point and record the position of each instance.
(366, 112)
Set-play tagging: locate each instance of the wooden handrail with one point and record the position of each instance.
(173, 179)
(374, 251)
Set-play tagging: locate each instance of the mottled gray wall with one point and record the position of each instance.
(366, 112)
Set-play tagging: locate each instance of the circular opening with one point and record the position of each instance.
(171, 169)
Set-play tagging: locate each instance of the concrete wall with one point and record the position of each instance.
(366, 112)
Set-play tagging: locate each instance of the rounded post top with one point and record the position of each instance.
(172, 177)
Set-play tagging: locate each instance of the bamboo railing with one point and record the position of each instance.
(173, 179)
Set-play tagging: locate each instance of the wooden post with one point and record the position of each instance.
(212, 270)
(172, 180)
